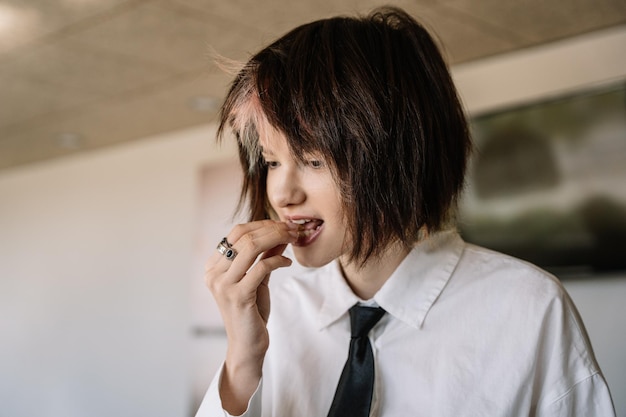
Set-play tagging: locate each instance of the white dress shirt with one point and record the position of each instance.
(468, 332)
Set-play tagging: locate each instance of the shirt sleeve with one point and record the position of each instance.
(211, 405)
(589, 397)
(575, 386)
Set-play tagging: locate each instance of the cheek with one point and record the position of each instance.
(268, 195)
(270, 191)
(333, 199)
(271, 210)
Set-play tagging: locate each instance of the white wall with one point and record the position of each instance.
(97, 252)
(95, 260)
(544, 71)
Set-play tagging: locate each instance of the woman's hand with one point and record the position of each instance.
(240, 289)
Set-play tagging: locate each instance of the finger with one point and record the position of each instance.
(253, 239)
(256, 227)
(274, 237)
(259, 273)
(277, 250)
(235, 235)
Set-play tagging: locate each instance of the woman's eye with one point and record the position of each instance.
(316, 164)
(268, 161)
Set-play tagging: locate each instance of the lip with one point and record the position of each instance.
(312, 234)
(306, 240)
(292, 219)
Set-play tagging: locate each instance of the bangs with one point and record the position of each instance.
(243, 114)
(260, 106)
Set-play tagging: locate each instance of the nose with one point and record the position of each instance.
(285, 188)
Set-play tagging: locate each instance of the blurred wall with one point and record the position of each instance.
(97, 253)
(95, 259)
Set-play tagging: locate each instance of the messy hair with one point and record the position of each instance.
(373, 96)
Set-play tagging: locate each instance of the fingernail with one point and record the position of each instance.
(292, 226)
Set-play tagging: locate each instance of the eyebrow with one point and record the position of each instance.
(266, 151)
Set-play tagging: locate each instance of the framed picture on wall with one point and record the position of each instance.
(547, 182)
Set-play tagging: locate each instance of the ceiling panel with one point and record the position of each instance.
(27, 99)
(541, 21)
(83, 69)
(110, 71)
(115, 120)
(463, 38)
(30, 21)
(155, 34)
(263, 21)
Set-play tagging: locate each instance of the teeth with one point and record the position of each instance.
(301, 221)
(304, 233)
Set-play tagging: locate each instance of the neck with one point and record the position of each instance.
(366, 280)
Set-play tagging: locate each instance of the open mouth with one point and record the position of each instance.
(308, 230)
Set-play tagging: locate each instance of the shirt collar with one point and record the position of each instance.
(338, 296)
(412, 289)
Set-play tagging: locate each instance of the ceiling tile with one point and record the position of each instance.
(114, 121)
(586, 15)
(27, 146)
(82, 69)
(237, 29)
(272, 18)
(541, 20)
(264, 21)
(23, 99)
(118, 70)
(36, 19)
(162, 110)
(462, 38)
(156, 33)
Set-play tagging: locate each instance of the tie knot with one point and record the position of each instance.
(362, 319)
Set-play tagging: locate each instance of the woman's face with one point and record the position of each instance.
(305, 194)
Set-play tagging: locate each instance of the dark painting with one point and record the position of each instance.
(547, 182)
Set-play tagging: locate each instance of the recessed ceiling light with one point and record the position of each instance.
(70, 141)
(204, 103)
(16, 22)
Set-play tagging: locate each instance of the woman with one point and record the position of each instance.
(354, 146)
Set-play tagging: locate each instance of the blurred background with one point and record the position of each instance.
(112, 191)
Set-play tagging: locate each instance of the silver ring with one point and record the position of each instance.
(226, 249)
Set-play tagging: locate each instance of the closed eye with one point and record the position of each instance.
(271, 164)
(268, 160)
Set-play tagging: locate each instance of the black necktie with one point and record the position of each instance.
(353, 397)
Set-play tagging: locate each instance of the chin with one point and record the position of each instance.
(310, 260)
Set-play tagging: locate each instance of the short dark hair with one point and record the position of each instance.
(373, 96)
